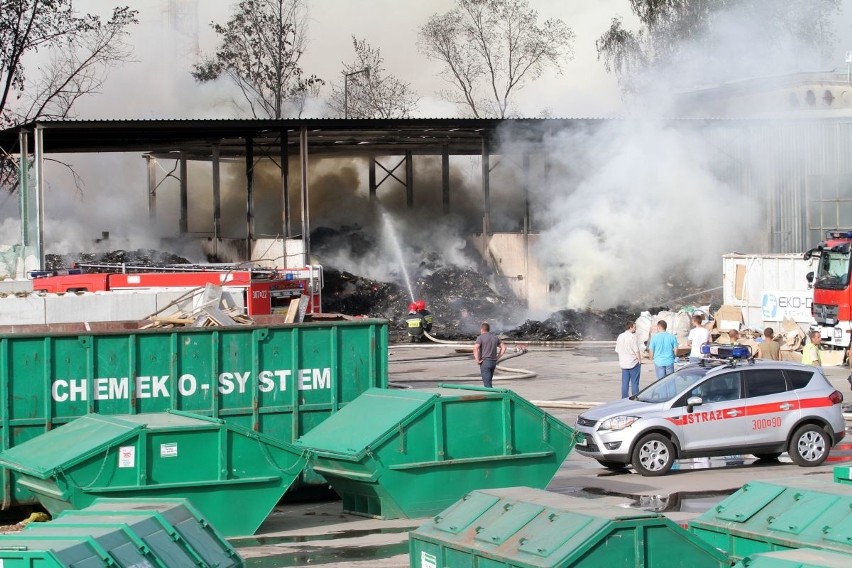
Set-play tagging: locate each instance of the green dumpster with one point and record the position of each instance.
(148, 533)
(796, 558)
(17, 551)
(117, 542)
(411, 453)
(767, 516)
(213, 463)
(520, 527)
(843, 474)
(276, 378)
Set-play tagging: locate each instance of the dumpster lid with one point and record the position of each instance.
(375, 412)
(78, 440)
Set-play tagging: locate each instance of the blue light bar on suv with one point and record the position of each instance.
(719, 351)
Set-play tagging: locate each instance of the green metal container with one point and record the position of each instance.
(17, 551)
(519, 527)
(278, 379)
(411, 453)
(165, 455)
(146, 534)
(797, 558)
(843, 474)
(117, 541)
(780, 515)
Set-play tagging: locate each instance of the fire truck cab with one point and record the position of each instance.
(264, 291)
(832, 304)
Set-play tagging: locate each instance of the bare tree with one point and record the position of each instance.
(259, 50)
(490, 49)
(80, 51)
(666, 26)
(77, 54)
(366, 90)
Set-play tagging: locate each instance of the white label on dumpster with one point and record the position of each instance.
(426, 560)
(165, 386)
(168, 450)
(127, 456)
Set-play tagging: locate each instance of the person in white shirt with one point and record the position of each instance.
(629, 359)
(698, 335)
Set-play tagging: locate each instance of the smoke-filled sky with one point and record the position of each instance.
(631, 178)
(583, 89)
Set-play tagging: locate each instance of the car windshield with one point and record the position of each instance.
(669, 387)
(833, 271)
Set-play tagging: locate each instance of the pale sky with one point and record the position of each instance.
(158, 85)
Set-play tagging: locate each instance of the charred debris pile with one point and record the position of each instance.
(459, 298)
(138, 257)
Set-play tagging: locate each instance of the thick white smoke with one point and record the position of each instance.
(644, 202)
(633, 201)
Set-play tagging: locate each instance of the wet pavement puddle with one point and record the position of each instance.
(328, 555)
(246, 541)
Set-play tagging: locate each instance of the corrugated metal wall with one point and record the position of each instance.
(799, 170)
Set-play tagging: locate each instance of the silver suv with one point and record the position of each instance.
(718, 408)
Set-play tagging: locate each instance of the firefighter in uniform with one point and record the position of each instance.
(414, 323)
(420, 306)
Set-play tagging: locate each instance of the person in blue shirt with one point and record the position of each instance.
(662, 350)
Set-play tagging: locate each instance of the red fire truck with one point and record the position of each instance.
(832, 304)
(264, 291)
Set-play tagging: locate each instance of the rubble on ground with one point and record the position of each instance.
(138, 257)
(573, 325)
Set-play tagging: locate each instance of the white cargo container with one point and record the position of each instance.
(768, 288)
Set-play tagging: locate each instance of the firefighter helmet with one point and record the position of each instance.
(420, 305)
(412, 307)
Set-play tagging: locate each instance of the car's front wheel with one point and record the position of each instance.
(809, 446)
(653, 455)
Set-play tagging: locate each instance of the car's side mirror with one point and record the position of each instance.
(810, 277)
(692, 402)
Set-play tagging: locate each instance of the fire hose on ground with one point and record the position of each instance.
(512, 373)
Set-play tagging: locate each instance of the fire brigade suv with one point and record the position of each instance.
(264, 291)
(726, 405)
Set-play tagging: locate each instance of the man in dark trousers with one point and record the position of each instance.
(486, 351)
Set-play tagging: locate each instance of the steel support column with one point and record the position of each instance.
(285, 190)
(184, 197)
(445, 177)
(306, 210)
(23, 181)
(526, 189)
(486, 188)
(371, 171)
(151, 163)
(39, 175)
(409, 179)
(249, 195)
(217, 199)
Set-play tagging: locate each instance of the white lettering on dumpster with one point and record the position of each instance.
(154, 386)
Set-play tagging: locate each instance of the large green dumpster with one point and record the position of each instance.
(411, 453)
(796, 558)
(766, 516)
(519, 527)
(18, 551)
(220, 467)
(148, 533)
(275, 378)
